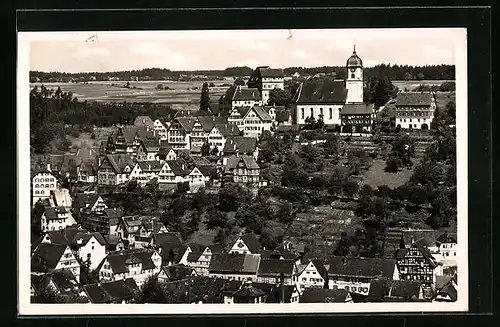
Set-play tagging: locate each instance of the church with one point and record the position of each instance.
(336, 102)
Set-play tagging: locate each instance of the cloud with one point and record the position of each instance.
(300, 54)
(436, 52)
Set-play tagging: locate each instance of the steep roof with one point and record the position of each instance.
(177, 272)
(227, 129)
(178, 167)
(245, 145)
(46, 256)
(86, 199)
(186, 122)
(151, 145)
(119, 260)
(234, 263)
(206, 170)
(52, 212)
(82, 238)
(271, 72)
(63, 279)
(143, 121)
(414, 99)
(252, 242)
(112, 291)
(428, 237)
(276, 267)
(404, 288)
(361, 267)
(447, 238)
(164, 149)
(119, 161)
(129, 133)
(356, 109)
(150, 166)
(325, 91)
(275, 292)
(208, 122)
(244, 94)
(248, 291)
(323, 295)
(262, 113)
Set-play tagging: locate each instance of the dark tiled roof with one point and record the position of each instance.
(46, 256)
(447, 238)
(164, 149)
(227, 129)
(178, 167)
(150, 166)
(243, 94)
(85, 237)
(206, 170)
(428, 237)
(252, 242)
(234, 263)
(119, 260)
(361, 267)
(262, 113)
(321, 91)
(216, 248)
(405, 288)
(186, 122)
(129, 133)
(208, 122)
(401, 253)
(63, 279)
(271, 72)
(144, 134)
(276, 267)
(248, 291)
(287, 128)
(151, 145)
(245, 145)
(51, 212)
(276, 293)
(142, 121)
(112, 291)
(356, 109)
(413, 99)
(86, 199)
(177, 272)
(323, 295)
(119, 162)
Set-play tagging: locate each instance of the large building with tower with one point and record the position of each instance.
(328, 99)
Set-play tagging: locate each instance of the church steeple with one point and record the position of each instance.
(354, 78)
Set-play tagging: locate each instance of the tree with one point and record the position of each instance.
(88, 276)
(441, 210)
(308, 152)
(216, 218)
(285, 213)
(232, 196)
(205, 98)
(205, 149)
(239, 81)
(47, 294)
(350, 188)
(279, 97)
(293, 172)
(159, 87)
(214, 151)
(379, 90)
(451, 112)
(152, 291)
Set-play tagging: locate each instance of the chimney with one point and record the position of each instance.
(79, 241)
(48, 166)
(237, 152)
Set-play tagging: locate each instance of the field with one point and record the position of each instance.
(144, 91)
(411, 85)
(376, 176)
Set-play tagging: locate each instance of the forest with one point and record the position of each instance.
(392, 72)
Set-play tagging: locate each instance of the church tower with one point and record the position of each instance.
(354, 78)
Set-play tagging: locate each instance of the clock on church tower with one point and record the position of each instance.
(354, 78)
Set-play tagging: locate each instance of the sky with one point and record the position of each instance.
(206, 50)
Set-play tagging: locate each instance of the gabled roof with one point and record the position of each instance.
(414, 99)
(405, 288)
(177, 272)
(208, 122)
(252, 242)
(143, 121)
(150, 166)
(52, 212)
(245, 145)
(261, 113)
(129, 133)
(233, 161)
(112, 291)
(85, 237)
(187, 123)
(356, 109)
(271, 72)
(276, 267)
(325, 91)
(361, 267)
(444, 286)
(428, 237)
(234, 263)
(47, 256)
(119, 260)
(86, 199)
(244, 94)
(275, 292)
(323, 295)
(227, 129)
(119, 161)
(164, 149)
(248, 291)
(63, 279)
(178, 167)
(216, 248)
(447, 238)
(206, 170)
(151, 145)
(426, 253)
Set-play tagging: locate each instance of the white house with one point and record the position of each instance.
(166, 152)
(48, 257)
(43, 182)
(356, 274)
(415, 110)
(173, 172)
(145, 171)
(219, 134)
(253, 121)
(267, 79)
(89, 202)
(90, 247)
(138, 264)
(161, 126)
(115, 169)
(148, 150)
(312, 274)
(247, 243)
(56, 218)
(448, 249)
(179, 132)
(198, 257)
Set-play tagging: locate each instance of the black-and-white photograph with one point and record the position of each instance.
(243, 171)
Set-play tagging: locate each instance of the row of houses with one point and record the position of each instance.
(147, 249)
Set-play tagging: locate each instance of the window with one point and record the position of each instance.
(352, 75)
(331, 113)
(321, 111)
(302, 113)
(312, 112)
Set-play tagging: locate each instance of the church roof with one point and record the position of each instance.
(354, 60)
(327, 91)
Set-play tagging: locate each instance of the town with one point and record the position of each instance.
(324, 190)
